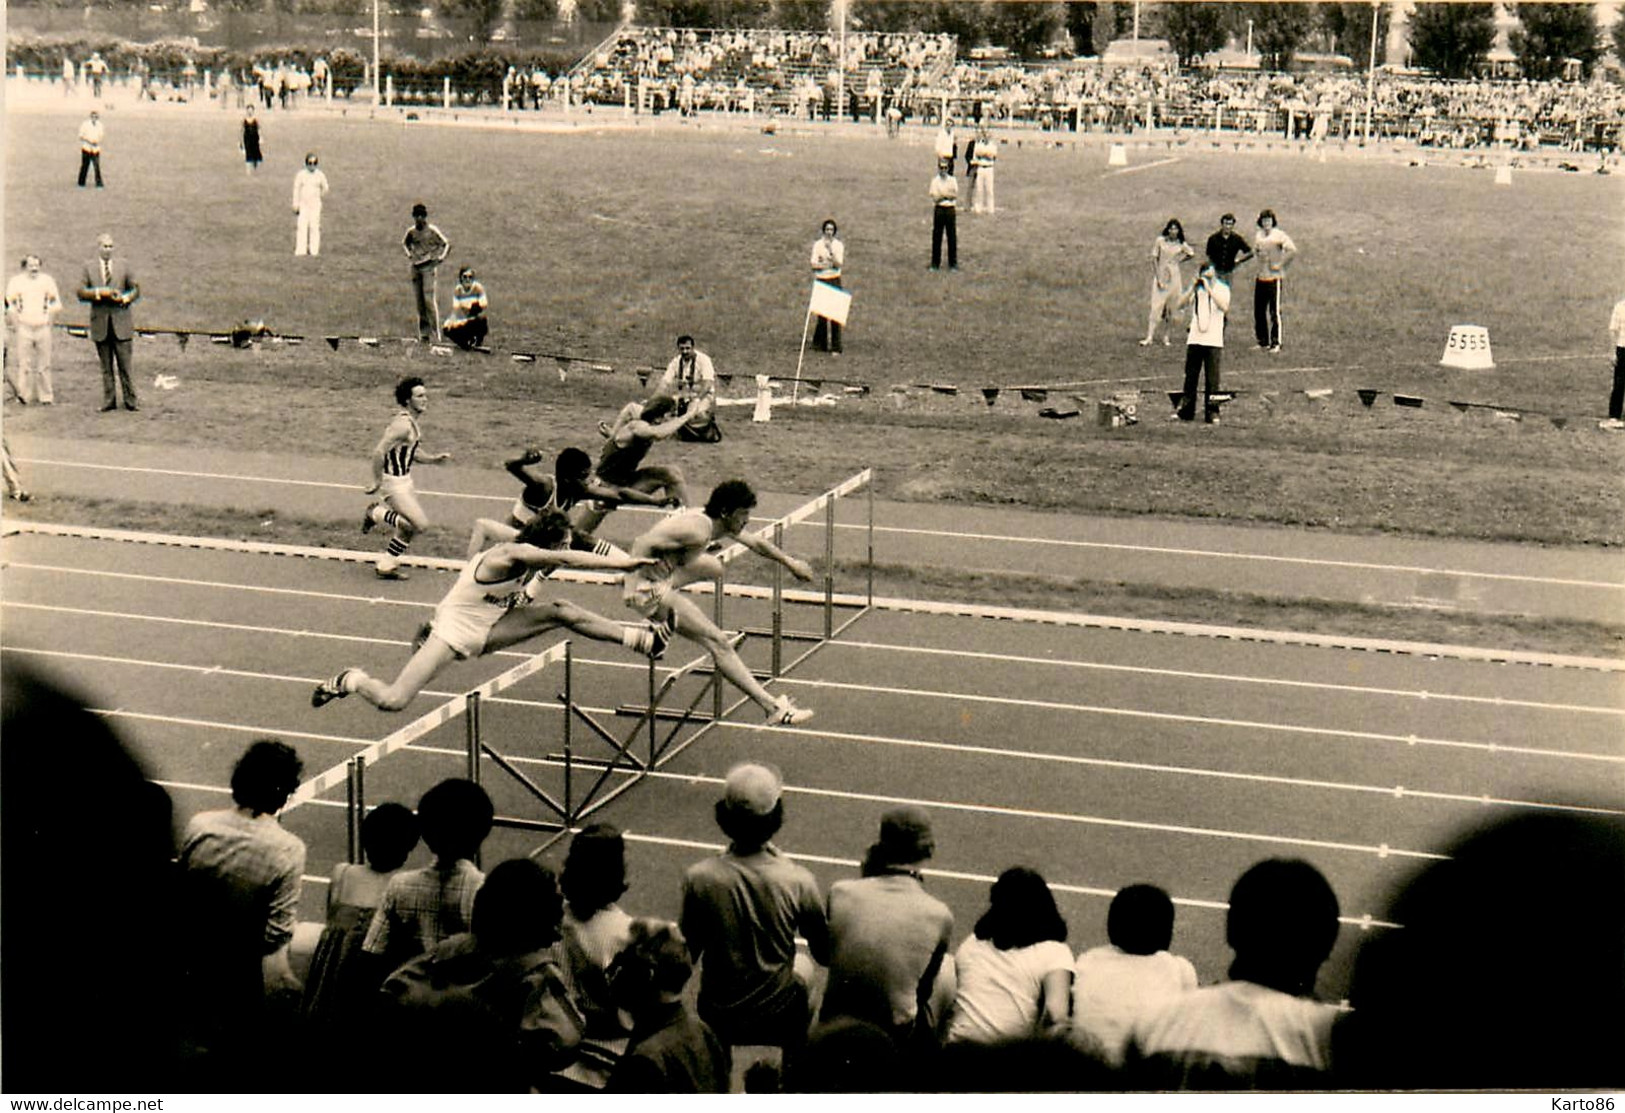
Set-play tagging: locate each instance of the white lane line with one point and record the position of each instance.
(1202, 720)
(1233, 678)
(1143, 670)
(1312, 562)
(1394, 791)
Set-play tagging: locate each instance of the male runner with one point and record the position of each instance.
(493, 606)
(392, 461)
(678, 548)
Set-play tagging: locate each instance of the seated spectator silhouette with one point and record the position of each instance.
(241, 880)
(487, 1010)
(1260, 1030)
(55, 943)
(337, 987)
(672, 1050)
(425, 906)
(846, 1055)
(1130, 975)
(595, 930)
(888, 933)
(742, 910)
(1013, 973)
(1508, 971)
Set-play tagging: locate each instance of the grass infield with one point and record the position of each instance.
(609, 241)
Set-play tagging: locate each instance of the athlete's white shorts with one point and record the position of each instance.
(465, 627)
(393, 486)
(645, 597)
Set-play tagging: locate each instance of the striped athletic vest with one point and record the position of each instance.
(398, 460)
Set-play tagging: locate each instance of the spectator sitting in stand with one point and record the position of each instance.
(672, 1050)
(491, 1001)
(595, 931)
(1130, 975)
(1260, 1030)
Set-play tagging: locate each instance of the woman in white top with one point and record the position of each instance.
(1130, 976)
(1014, 973)
(1168, 250)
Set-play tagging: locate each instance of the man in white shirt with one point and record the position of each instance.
(309, 187)
(1275, 250)
(1209, 299)
(692, 380)
(32, 300)
(90, 147)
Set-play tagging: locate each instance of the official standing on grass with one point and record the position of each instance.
(1616, 399)
(828, 257)
(1226, 249)
(1275, 250)
(944, 215)
(91, 134)
(309, 187)
(110, 289)
(253, 155)
(32, 300)
(1209, 299)
(426, 248)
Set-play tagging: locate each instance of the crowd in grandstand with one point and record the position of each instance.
(458, 976)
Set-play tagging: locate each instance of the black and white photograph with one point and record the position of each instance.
(952, 547)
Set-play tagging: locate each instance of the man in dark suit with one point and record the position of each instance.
(110, 290)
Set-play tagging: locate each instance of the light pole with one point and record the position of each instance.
(1249, 38)
(1371, 71)
(377, 80)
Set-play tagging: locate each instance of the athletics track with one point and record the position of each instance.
(1101, 756)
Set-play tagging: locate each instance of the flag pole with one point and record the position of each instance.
(806, 326)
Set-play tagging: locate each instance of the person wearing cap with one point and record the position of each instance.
(889, 937)
(741, 912)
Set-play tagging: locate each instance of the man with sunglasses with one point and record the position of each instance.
(309, 187)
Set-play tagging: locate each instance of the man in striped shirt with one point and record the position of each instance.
(426, 248)
(392, 460)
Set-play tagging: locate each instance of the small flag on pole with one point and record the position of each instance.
(830, 302)
(332, 342)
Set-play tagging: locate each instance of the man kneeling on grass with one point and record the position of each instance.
(494, 605)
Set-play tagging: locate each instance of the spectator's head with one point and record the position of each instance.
(658, 408)
(1227, 222)
(1174, 231)
(751, 810)
(465, 275)
(945, 166)
(730, 498)
(404, 389)
(1281, 925)
(829, 229)
(548, 530)
(1508, 969)
(685, 345)
(594, 870)
(265, 776)
(311, 160)
(571, 470)
(420, 212)
(104, 242)
(517, 908)
(847, 1055)
(653, 967)
(1140, 920)
(905, 841)
(388, 835)
(455, 816)
(1266, 219)
(1021, 911)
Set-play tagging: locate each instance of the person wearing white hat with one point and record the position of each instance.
(742, 910)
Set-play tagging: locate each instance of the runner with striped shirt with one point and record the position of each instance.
(392, 460)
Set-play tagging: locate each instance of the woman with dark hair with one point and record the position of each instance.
(1014, 973)
(1168, 250)
(595, 931)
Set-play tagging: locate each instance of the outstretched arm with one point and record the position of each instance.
(518, 465)
(534, 557)
(799, 568)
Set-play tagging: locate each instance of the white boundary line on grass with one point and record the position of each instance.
(900, 606)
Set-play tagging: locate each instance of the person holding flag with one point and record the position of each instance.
(828, 256)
